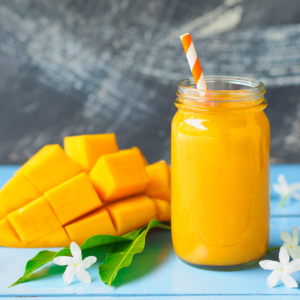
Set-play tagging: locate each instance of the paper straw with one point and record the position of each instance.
(193, 61)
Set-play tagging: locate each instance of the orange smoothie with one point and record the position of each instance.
(220, 173)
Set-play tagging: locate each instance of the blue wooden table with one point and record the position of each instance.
(157, 273)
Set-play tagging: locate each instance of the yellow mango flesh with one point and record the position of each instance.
(8, 236)
(17, 192)
(163, 209)
(34, 220)
(131, 213)
(73, 199)
(159, 185)
(85, 150)
(49, 168)
(119, 175)
(51, 202)
(145, 162)
(98, 222)
(56, 238)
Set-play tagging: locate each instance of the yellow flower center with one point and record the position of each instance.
(281, 269)
(291, 246)
(75, 265)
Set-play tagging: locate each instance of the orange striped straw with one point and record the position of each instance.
(193, 61)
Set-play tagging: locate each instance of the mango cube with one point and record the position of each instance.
(85, 150)
(49, 167)
(34, 220)
(98, 222)
(17, 192)
(8, 236)
(159, 185)
(73, 199)
(56, 238)
(139, 152)
(131, 213)
(119, 175)
(163, 209)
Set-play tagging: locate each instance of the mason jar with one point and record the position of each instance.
(220, 173)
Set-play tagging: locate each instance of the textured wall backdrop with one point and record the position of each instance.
(69, 67)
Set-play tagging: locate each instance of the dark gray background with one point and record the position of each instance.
(92, 66)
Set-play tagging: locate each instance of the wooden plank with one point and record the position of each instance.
(156, 271)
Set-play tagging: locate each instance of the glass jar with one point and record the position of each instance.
(220, 173)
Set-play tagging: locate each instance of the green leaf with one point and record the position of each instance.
(122, 253)
(46, 256)
(38, 261)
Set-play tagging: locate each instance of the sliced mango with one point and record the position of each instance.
(131, 213)
(36, 157)
(140, 153)
(17, 192)
(85, 150)
(8, 236)
(163, 210)
(159, 185)
(119, 175)
(73, 199)
(50, 167)
(56, 238)
(34, 220)
(98, 222)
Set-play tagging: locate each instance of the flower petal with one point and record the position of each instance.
(63, 260)
(273, 278)
(286, 237)
(289, 281)
(295, 236)
(282, 181)
(277, 188)
(76, 252)
(270, 265)
(83, 275)
(69, 274)
(284, 257)
(88, 261)
(288, 249)
(296, 252)
(292, 267)
(295, 196)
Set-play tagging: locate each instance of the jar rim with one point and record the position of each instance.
(245, 88)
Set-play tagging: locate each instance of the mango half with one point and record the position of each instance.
(91, 188)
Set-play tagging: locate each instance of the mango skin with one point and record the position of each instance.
(131, 213)
(159, 185)
(49, 168)
(85, 150)
(17, 192)
(120, 175)
(73, 198)
(34, 220)
(98, 222)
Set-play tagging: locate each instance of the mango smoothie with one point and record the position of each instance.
(220, 173)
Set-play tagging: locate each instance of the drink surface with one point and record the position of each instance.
(220, 186)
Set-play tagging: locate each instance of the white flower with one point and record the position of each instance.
(75, 265)
(291, 244)
(286, 190)
(281, 270)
